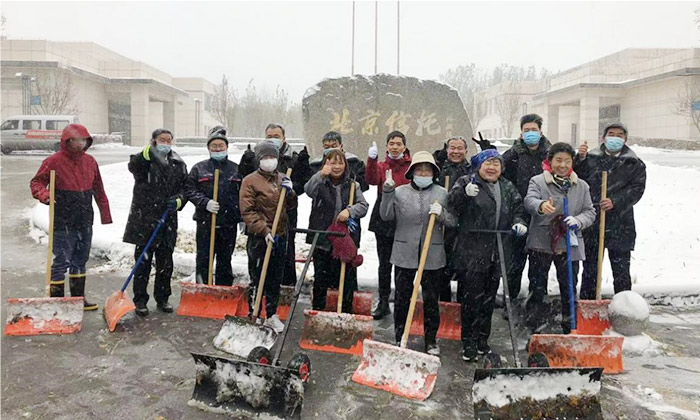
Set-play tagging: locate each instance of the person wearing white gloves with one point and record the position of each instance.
(410, 206)
(484, 202)
(546, 241)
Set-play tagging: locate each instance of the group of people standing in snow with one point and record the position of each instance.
(518, 195)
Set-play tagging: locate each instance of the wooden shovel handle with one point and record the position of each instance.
(52, 212)
(212, 234)
(601, 236)
(268, 251)
(341, 283)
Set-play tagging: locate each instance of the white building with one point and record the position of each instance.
(110, 92)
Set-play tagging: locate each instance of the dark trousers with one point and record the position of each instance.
(517, 265)
(402, 299)
(327, 275)
(164, 271)
(540, 262)
(478, 300)
(71, 250)
(290, 271)
(224, 243)
(384, 246)
(273, 280)
(619, 262)
(445, 288)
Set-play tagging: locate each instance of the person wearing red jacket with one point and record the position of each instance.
(398, 159)
(78, 180)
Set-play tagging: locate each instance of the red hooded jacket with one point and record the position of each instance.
(77, 180)
(375, 175)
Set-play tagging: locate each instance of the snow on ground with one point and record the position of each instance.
(666, 261)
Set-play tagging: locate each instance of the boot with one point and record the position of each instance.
(77, 288)
(382, 309)
(56, 288)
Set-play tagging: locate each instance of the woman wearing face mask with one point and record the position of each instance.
(199, 189)
(259, 195)
(546, 239)
(411, 206)
(627, 176)
(398, 159)
(329, 188)
(159, 175)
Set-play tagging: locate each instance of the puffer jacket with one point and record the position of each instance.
(521, 163)
(259, 195)
(199, 189)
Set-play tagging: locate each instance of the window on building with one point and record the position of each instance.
(56, 124)
(10, 125)
(31, 125)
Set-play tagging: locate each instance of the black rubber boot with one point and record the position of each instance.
(382, 309)
(56, 288)
(77, 288)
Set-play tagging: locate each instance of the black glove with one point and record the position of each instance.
(303, 156)
(483, 143)
(440, 155)
(247, 164)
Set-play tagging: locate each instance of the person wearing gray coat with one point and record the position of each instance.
(546, 242)
(411, 206)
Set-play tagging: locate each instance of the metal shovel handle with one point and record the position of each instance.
(160, 224)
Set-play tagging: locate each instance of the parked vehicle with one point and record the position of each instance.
(29, 132)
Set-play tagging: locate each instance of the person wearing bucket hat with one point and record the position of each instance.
(411, 205)
(199, 189)
(482, 201)
(627, 178)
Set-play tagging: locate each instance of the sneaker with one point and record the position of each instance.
(274, 323)
(165, 307)
(469, 354)
(483, 348)
(87, 306)
(141, 310)
(381, 310)
(432, 349)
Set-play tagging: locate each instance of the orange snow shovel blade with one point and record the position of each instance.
(213, 302)
(592, 317)
(335, 332)
(116, 306)
(575, 350)
(450, 321)
(34, 316)
(361, 302)
(401, 371)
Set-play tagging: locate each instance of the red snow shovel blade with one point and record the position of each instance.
(206, 301)
(34, 316)
(285, 300)
(404, 372)
(592, 317)
(335, 333)
(450, 321)
(361, 302)
(575, 350)
(116, 306)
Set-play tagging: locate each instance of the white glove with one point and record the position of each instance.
(287, 184)
(471, 190)
(519, 229)
(572, 222)
(241, 227)
(436, 209)
(389, 180)
(212, 206)
(269, 239)
(373, 152)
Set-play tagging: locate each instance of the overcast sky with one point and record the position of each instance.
(297, 44)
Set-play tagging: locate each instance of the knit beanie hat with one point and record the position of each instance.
(217, 133)
(266, 148)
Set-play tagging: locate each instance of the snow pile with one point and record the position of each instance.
(629, 313)
(638, 345)
(238, 336)
(42, 310)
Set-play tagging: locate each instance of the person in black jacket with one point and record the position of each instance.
(159, 175)
(523, 161)
(199, 189)
(356, 167)
(482, 201)
(627, 178)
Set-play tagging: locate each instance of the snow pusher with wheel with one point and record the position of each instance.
(537, 391)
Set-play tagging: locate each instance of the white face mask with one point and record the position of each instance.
(268, 165)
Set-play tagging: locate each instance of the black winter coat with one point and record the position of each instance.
(521, 163)
(322, 211)
(199, 189)
(454, 170)
(156, 181)
(355, 165)
(477, 251)
(627, 177)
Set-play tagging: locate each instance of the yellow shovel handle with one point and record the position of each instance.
(601, 236)
(212, 234)
(52, 212)
(341, 283)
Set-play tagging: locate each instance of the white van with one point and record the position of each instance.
(27, 132)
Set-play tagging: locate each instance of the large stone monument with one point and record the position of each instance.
(364, 109)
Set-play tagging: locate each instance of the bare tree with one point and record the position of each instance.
(687, 103)
(469, 80)
(509, 107)
(3, 21)
(56, 92)
(223, 104)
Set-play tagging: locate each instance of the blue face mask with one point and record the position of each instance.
(422, 181)
(163, 148)
(399, 157)
(614, 144)
(277, 142)
(219, 155)
(531, 138)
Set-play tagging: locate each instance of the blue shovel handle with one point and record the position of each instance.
(570, 268)
(160, 224)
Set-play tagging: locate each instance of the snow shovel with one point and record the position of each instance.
(49, 315)
(240, 335)
(399, 370)
(208, 300)
(536, 391)
(336, 332)
(119, 303)
(258, 386)
(592, 315)
(574, 350)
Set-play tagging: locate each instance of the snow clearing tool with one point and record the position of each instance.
(577, 350)
(399, 370)
(361, 302)
(208, 300)
(49, 315)
(119, 303)
(536, 391)
(592, 315)
(337, 332)
(239, 335)
(257, 386)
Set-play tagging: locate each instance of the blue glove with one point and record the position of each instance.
(353, 225)
(287, 184)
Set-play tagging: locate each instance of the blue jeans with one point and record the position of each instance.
(71, 250)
